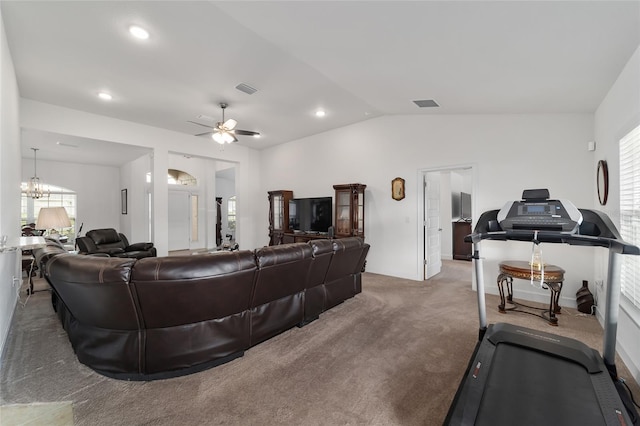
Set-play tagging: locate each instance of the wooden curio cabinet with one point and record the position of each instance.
(278, 215)
(349, 203)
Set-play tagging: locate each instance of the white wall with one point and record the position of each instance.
(40, 116)
(9, 179)
(616, 116)
(510, 153)
(133, 177)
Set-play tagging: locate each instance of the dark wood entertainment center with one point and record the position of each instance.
(348, 215)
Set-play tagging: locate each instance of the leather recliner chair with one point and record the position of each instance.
(109, 241)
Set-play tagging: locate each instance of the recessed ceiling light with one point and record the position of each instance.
(139, 32)
(105, 96)
(320, 113)
(257, 135)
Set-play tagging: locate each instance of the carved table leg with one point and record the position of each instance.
(502, 280)
(557, 299)
(554, 289)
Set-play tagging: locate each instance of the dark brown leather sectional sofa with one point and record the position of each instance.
(161, 317)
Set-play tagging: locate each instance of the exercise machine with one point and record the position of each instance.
(521, 376)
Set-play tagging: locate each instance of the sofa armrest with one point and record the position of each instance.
(139, 247)
(109, 251)
(86, 245)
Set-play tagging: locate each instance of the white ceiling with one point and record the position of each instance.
(356, 59)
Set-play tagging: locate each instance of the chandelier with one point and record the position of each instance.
(35, 188)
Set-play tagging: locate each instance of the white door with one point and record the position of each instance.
(432, 251)
(179, 220)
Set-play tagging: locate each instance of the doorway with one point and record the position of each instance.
(179, 220)
(442, 207)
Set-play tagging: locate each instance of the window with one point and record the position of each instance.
(231, 213)
(630, 212)
(177, 177)
(60, 197)
(194, 217)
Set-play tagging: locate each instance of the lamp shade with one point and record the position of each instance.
(53, 218)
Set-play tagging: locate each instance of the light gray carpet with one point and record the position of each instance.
(393, 355)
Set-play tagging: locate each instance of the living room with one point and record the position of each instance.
(508, 150)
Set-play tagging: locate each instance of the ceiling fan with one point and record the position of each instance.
(225, 131)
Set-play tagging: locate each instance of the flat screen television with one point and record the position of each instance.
(311, 214)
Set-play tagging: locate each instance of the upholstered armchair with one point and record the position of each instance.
(113, 243)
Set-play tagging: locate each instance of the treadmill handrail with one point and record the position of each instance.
(617, 246)
(596, 230)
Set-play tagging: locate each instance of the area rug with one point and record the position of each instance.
(37, 413)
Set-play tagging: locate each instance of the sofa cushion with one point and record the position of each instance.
(179, 290)
(95, 289)
(282, 271)
(104, 236)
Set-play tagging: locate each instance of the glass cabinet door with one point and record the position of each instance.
(360, 215)
(277, 212)
(278, 215)
(349, 210)
(343, 208)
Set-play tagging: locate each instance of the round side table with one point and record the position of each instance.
(553, 279)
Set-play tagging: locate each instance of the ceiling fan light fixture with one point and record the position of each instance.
(218, 138)
(223, 137)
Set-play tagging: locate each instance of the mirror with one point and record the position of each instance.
(603, 182)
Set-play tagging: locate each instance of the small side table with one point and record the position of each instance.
(553, 279)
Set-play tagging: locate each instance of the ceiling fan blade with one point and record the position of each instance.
(204, 134)
(230, 124)
(245, 132)
(203, 125)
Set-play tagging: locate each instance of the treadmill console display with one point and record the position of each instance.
(548, 215)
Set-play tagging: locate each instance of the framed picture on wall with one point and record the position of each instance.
(397, 189)
(123, 200)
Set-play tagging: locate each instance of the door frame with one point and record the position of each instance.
(421, 175)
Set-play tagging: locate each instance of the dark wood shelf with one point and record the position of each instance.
(461, 250)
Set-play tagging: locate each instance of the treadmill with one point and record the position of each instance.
(522, 376)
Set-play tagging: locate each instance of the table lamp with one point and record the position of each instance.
(52, 218)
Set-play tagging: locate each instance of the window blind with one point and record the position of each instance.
(630, 212)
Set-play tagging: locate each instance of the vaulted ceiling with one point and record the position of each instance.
(356, 60)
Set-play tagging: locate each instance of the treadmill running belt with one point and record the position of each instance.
(519, 376)
(527, 387)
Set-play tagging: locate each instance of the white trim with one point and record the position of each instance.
(421, 173)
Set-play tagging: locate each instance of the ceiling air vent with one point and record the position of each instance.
(205, 117)
(426, 103)
(246, 89)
